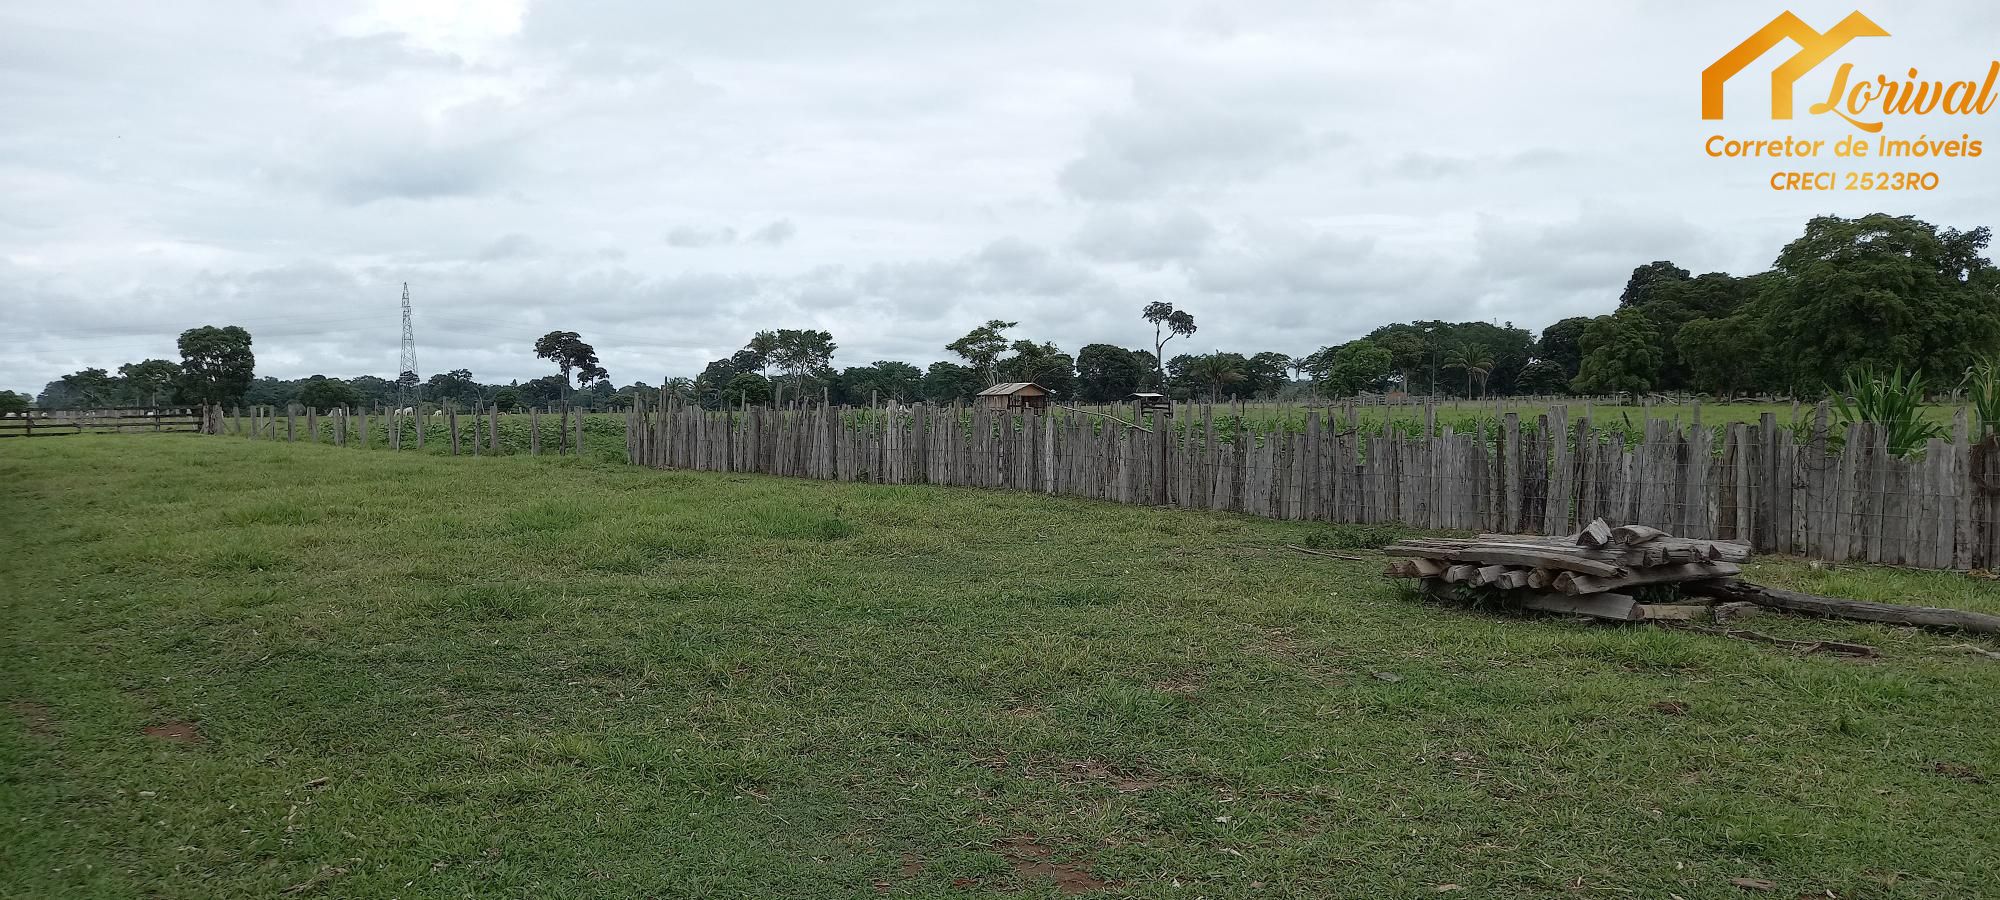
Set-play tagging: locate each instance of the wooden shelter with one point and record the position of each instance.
(1149, 401)
(1015, 395)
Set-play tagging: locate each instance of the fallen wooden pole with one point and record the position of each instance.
(1324, 553)
(1857, 610)
(1616, 607)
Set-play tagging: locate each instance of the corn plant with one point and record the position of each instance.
(1982, 390)
(1892, 402)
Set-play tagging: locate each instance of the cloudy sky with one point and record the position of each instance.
(668, 177)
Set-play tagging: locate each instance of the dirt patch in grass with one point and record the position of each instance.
(1090, 771)
(1279, 643)
(1078, 772)
(35, 717)
(1959, 771)
(1670, 708)
(1032, 862)
(174, 732)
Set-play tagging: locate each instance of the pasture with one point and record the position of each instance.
(251, 669)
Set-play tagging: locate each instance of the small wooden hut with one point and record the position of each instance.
(1015, 395)
(1149, 402)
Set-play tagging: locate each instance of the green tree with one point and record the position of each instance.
(1562, 344)
(1043, 364)
(151, 381)
(91, 388)
(801, 354)
(543, 392)
(1419, 349)
(1266, 374)
(373, 390)
(455, 386)
(216, 364)
(1721, 354)
(681, 389)
(1543, 377)
(321, 392)
(268, 391)
(1621, 355)
(12, 402)
(946, 382)
(1168, 323)
(1472, 359)
(748, 388)
(1214, 372)
(981, 348)
(1670, 298)
(1351, 368)
(763, 345)
(57, 394)
(1107, 373)
(1646, 280)
(884, 380)
(571, 355)
(1880, 291)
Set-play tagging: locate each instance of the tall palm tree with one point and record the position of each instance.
(1477, 362)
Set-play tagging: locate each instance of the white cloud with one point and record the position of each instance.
(668, 178)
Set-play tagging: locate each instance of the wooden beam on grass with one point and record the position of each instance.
(1837, 608)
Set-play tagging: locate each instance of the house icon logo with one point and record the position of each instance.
(1814, 48)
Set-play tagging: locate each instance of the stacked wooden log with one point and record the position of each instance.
(1585, 573)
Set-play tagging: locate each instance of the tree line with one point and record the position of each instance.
(1876, 292)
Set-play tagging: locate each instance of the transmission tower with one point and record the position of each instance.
(407, 383)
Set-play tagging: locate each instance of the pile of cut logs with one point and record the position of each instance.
(1585, 573)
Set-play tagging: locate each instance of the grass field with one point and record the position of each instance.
(235, 669)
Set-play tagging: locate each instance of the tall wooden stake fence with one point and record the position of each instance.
(1836, 496)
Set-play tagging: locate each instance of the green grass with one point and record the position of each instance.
(414, 676)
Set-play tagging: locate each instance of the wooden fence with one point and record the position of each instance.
(51, 422)
(1811, 487)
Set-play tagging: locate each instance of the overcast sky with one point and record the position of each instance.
(668, 177)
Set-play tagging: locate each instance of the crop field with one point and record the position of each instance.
(249, 669)
(1466, 417)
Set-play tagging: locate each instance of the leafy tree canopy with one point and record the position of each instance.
(216, 364)
(981, 348)
(1107, 373)
(571, 355)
